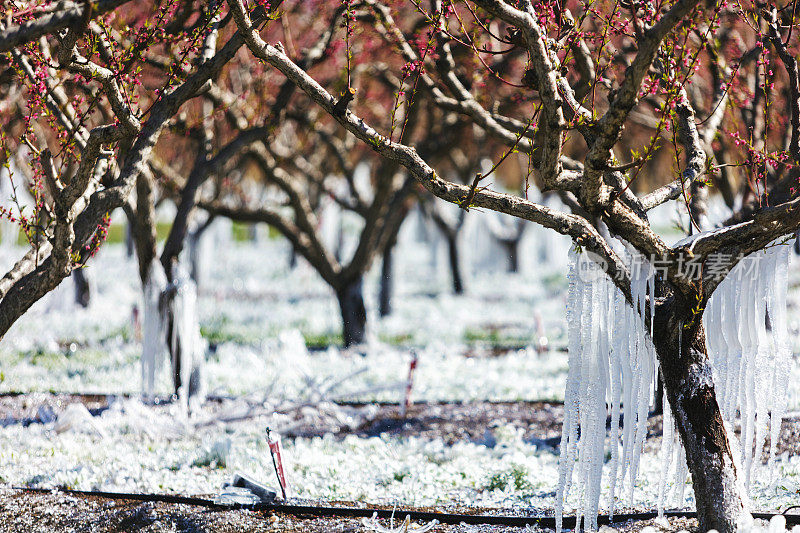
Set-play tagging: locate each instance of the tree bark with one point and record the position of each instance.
(142, 224)
(720, 496)
(83, 291)
(698, 205)
(354, 314)
(195, 251)
(387, 281)
(455, 263)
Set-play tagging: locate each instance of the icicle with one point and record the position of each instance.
(627, 359)
(680, 476)
(749, 340)
(153, 341)
(569, 429)
(667, 447)
(764, 361)
(747, 332)
(776, 306)
(619, 347)
(185, 331)
(733, 317)
(611, 361)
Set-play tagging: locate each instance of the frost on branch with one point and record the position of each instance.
(611, 362)
(747, 336)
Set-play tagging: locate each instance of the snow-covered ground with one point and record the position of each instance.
(135, 448)
(257, 315)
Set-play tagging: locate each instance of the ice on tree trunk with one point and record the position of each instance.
(153, 332)
(613, 367)
(185, 342)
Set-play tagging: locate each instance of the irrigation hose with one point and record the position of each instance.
(313, 511)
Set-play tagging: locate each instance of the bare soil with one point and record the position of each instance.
(59, 512)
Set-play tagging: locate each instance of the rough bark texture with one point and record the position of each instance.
(354, 314)
(142, 225)
(720, 496)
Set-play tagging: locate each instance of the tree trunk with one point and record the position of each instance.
(512, 248)
(455, 263)
(387, 281)
(83, 291)
(658, 408)
(129, 240)
(720, 496)
(354, 314)
(174, 354)
(176, 350)
(698, 205)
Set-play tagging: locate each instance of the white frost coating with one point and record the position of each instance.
(186, 330)
(153, 332)
(406, 526)
(747, 334)
(611, 362)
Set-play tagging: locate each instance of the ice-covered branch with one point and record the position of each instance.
(732, 243)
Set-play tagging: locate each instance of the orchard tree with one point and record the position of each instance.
(285, 183)
(238, 115)
(309, 160)
(590, 71)
(90, 91)
(91, 88)
(281, 183)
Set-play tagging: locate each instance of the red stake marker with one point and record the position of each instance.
(275, 450)
(409, 384)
